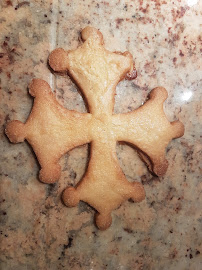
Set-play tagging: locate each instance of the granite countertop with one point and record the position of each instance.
(165, 230)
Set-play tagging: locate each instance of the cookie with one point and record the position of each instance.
(53, 130)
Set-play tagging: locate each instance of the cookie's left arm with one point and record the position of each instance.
(58, 60)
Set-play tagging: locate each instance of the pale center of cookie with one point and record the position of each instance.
(101, 129)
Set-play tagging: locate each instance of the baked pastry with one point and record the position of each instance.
(53, 130)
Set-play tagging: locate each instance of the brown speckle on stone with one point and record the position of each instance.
(174, 60)
(181, 54)
(24, 3)
(118, 21)
(9, 3)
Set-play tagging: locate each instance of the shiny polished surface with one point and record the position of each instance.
(164, 231)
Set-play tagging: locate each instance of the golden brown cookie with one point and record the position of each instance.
(53, 130)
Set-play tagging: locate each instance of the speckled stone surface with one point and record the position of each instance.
(165, 230)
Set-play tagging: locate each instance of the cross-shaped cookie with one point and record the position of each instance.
(53, 130)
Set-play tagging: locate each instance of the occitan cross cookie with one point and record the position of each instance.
(53, 130)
